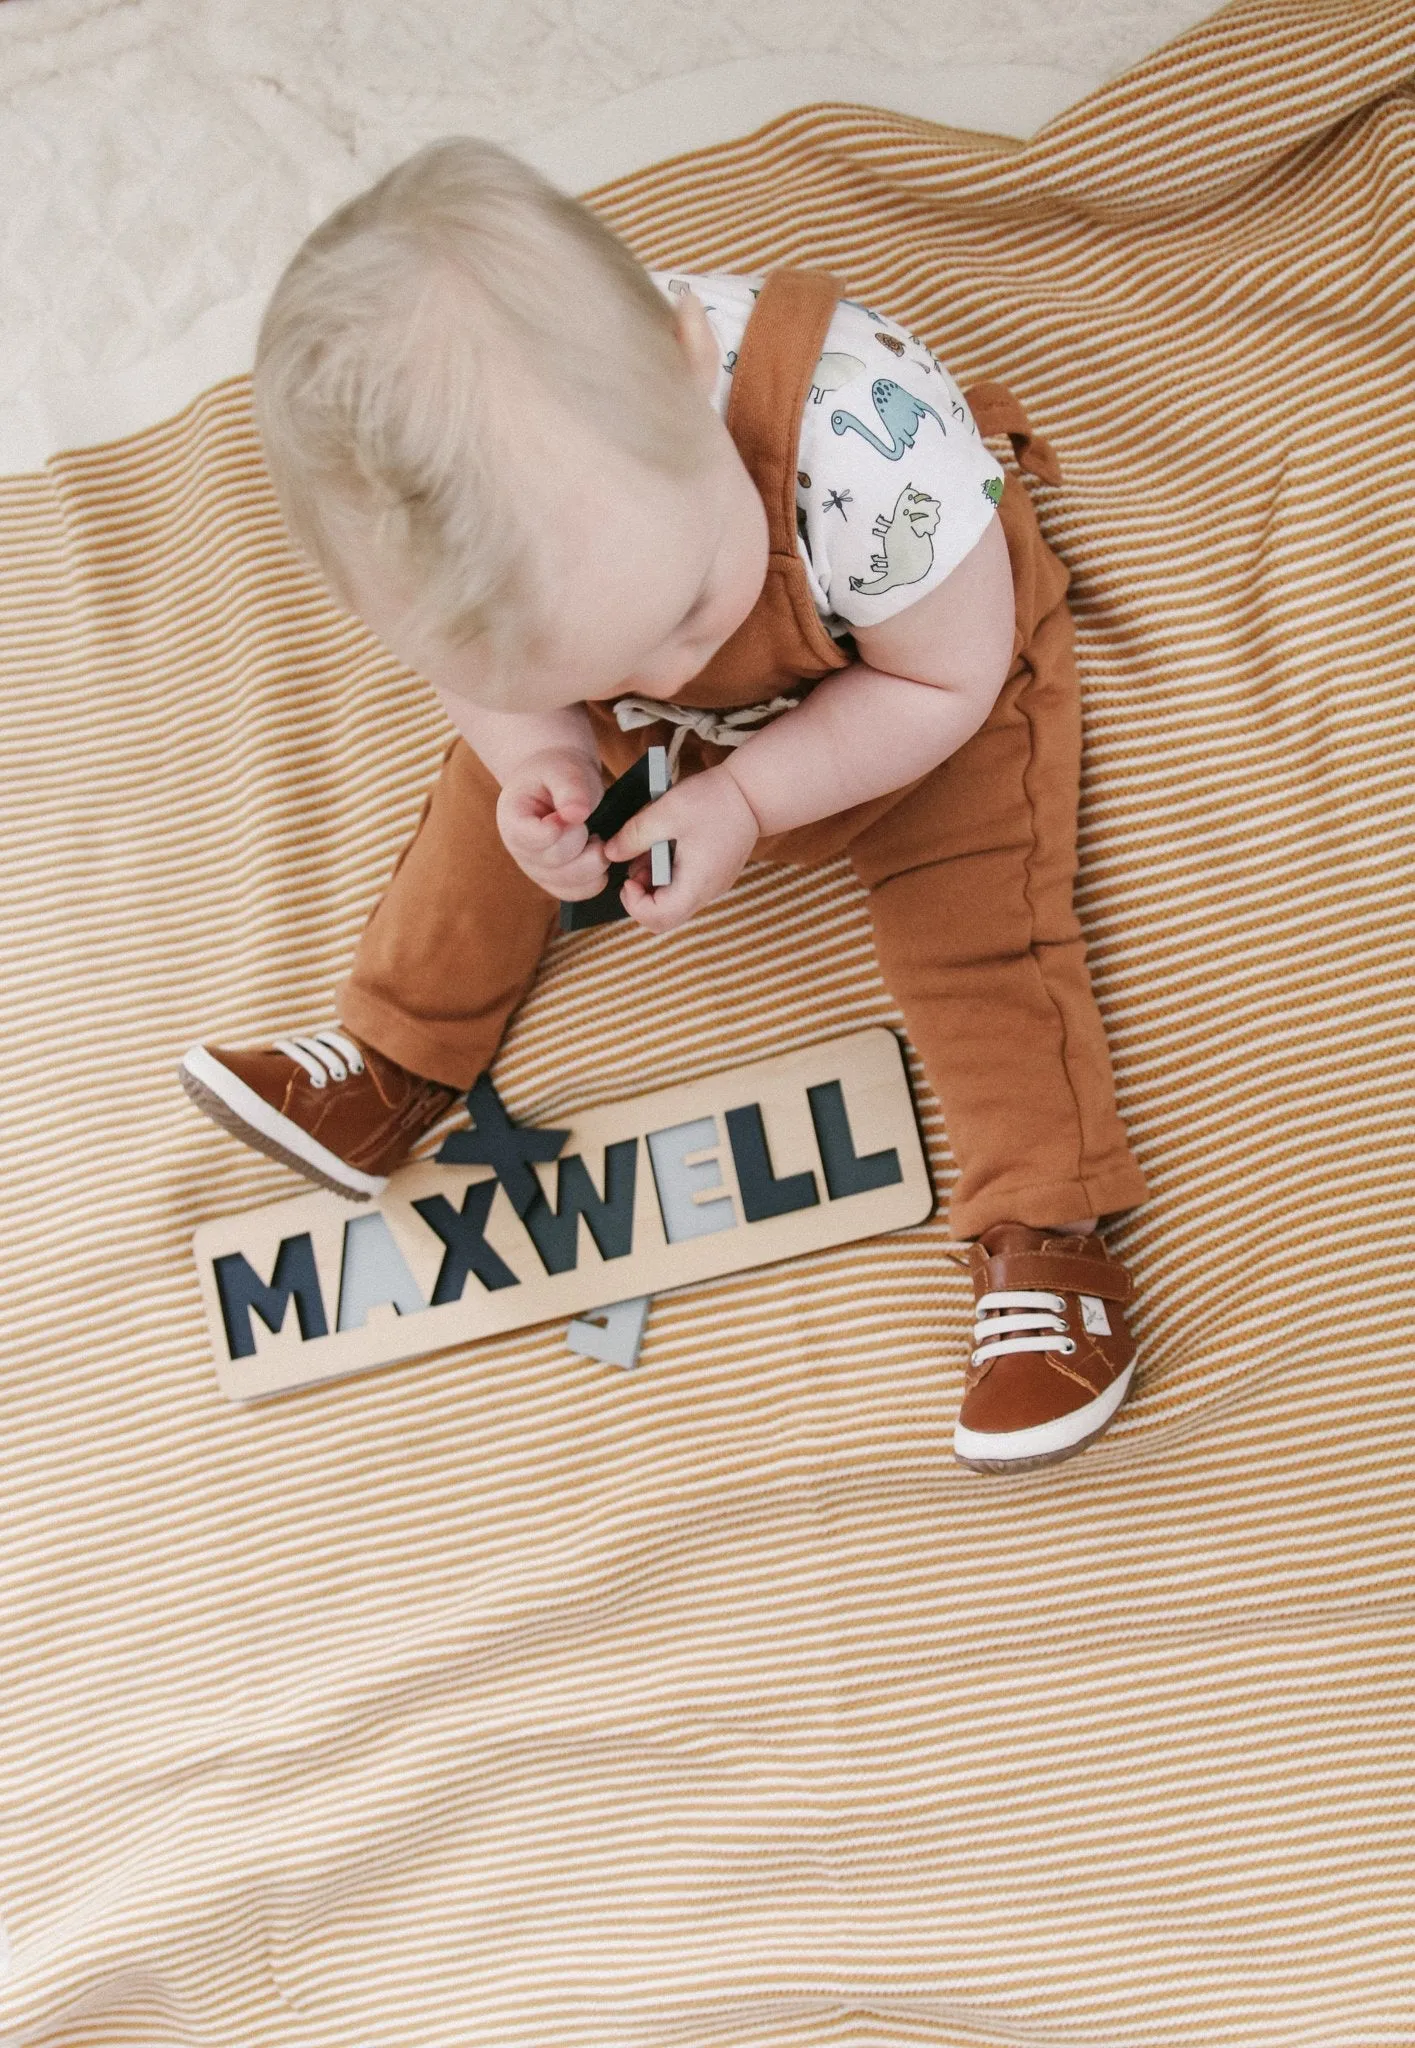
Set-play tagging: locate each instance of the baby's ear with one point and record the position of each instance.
(697, 341)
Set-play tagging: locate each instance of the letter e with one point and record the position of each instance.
(677, 1182)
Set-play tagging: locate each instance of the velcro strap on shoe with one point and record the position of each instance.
(1058, 1274)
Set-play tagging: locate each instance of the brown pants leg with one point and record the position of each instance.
(970, 878)
(454, 944)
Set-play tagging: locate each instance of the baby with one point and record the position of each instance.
(599, 508)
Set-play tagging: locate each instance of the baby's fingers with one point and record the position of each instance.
(657, 910)
(533, 831)
(566, 844)
(547, 797)
(578, 878)
(662, 819)
(574, 788)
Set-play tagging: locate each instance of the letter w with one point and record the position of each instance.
(555, 1232)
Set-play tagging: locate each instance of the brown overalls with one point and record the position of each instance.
(969, 869)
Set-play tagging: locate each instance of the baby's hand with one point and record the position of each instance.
(715, 828)
(541, 815)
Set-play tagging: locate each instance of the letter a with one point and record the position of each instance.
(374, 1271)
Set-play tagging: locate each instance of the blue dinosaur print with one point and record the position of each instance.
(899, 414)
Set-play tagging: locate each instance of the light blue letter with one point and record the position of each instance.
(677, 1182)
(374, 1271)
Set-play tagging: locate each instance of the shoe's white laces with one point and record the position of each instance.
(1020, 1319)
(326, 1055)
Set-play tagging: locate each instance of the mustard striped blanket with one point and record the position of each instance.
(504, 1698)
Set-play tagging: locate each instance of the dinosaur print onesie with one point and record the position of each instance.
(894, 486)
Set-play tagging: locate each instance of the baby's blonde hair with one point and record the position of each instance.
(401, 353)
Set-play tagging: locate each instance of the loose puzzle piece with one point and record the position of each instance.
(613, 1333)
(637, 786)
(507, 1148)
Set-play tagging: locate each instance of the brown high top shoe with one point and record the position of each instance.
(323, 1102)
(1052, 1358)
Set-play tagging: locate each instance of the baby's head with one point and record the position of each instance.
(496, 439)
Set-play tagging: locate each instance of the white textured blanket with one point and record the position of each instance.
(161, 159)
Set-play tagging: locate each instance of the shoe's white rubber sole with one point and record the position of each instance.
(1009, 1450)
(227, 1100)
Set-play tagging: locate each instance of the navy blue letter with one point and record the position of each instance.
(555, 1232)
(763, 1194)
(846, 1173)
(241, 1289)
(467, 1250)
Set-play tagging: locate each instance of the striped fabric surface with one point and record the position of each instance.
(507, 1700)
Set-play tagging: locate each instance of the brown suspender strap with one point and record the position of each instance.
(996, 411)
(775, 368)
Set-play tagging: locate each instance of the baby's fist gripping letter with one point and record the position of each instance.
(541, 815)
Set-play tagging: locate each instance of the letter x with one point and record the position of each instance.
(504, 1146)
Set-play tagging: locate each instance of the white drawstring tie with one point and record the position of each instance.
(323, 1054)
(1038, 1323)
(718, 729)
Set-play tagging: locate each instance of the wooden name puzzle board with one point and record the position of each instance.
(743, 1168)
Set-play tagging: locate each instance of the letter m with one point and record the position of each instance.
(241, 1289)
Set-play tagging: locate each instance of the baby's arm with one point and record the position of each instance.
(548, 768)
(928, 679)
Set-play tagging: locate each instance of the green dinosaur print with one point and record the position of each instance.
(899, 414)
(992, 488)
(907, 535)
